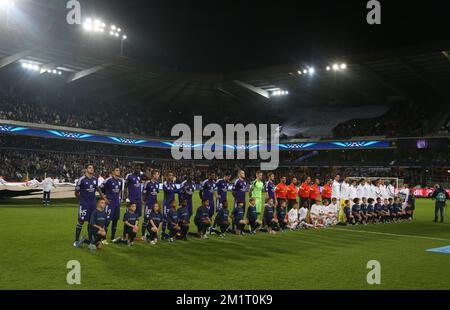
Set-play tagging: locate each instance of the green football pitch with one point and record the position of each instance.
(37, 244)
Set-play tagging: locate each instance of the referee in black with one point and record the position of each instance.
(441, 196)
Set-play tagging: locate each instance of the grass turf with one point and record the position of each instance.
(37, 244)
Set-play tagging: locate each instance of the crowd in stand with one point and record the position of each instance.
(131, 118)
(62, 111)
(135, 119)
(20, 165)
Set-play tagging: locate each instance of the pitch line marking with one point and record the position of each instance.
(391, 234)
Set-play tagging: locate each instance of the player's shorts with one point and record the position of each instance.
(236, 221)
(198, 223)
(219, 205)
(112, 212)
(267, 220)
(127, 230)
(252, 223)
(84, 213)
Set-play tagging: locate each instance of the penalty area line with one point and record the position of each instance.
(391, 234)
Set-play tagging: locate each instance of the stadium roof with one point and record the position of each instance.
(92, 69)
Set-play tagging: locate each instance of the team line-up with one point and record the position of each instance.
(271, 207)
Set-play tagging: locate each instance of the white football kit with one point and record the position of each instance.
(302, 214)
(293, 218)
(47, 184)
(336, 190)
(345, 191)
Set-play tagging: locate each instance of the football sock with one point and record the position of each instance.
(144, 228)
(78, 228)
(113, 230)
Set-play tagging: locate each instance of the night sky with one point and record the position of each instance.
(219, 36)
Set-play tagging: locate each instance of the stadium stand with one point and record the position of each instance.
(24, 158)
(401, 120)
(115, 118)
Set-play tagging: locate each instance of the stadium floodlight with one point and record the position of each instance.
(98, 26)
(343, 66)
(277, 93)
(31, 67)
(335, 67)
(299, 72)
(311, 71)
(7, 4)
(39, 68)
(95, 26)
(305, 71)
(328, 68)
(87, 25)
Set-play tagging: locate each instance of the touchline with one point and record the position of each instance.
(262, 142)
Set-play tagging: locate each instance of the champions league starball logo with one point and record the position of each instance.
(190, 144)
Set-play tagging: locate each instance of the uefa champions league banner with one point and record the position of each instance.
(155, 143)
